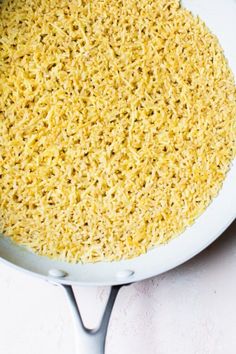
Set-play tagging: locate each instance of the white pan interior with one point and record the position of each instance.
(220, 17)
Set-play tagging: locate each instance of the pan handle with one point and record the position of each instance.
(91, 341)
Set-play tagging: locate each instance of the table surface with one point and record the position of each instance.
(188, 310)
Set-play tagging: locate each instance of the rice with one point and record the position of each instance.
(117, 125)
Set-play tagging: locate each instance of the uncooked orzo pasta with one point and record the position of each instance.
(117, 124)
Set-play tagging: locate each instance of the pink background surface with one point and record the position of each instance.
(188, 310)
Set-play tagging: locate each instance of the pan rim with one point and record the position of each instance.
(117, 282)
(224, 30)
(218, 216)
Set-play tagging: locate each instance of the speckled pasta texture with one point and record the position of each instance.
(117, 125)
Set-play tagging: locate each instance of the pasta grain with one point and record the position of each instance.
(117, 124)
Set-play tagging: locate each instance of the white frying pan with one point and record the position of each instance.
(220, 17)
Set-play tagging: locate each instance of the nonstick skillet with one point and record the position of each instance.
(220, 17)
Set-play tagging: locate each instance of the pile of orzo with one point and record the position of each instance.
(117, 124)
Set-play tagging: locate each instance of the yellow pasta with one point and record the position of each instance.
(117, 125)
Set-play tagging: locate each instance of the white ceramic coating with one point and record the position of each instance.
(220, 18)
